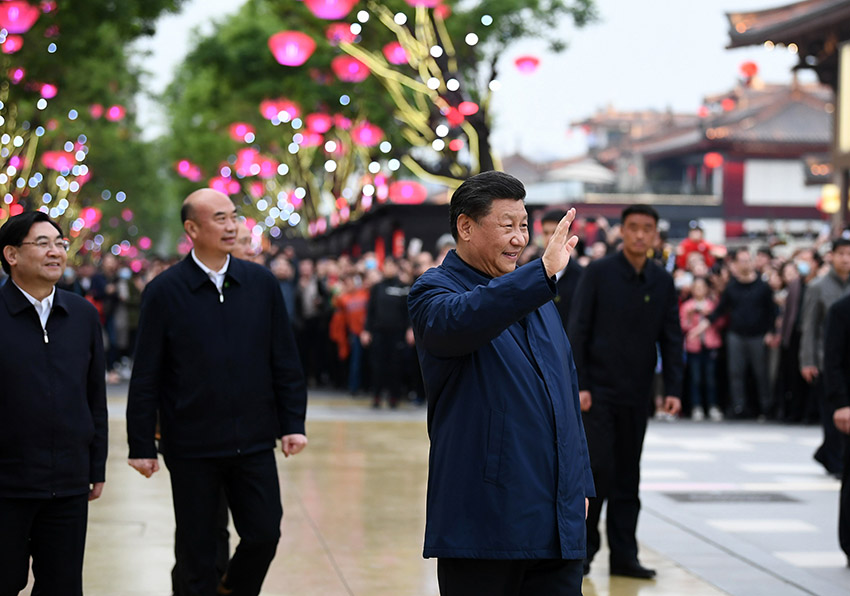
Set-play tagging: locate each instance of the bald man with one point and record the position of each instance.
(217, 365)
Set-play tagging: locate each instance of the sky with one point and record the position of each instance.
(639, 55)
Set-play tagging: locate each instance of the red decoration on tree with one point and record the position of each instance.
(116, 113)
(239, 130)
(712, 160)
(728, 104)
(330, 9)
(407, 192)
(318, 122)
(12, 44)
(338, 32)
(291, 48)
(394, 53)
(367, 134)
(467, 108)
(454, 117)
(48, 91)
(527, 64)
(349, 69)
(58, 160)
(425, 3)
(456, 144)
(18, 16)
(749, 69)
(443, 11)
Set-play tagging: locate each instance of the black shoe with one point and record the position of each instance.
(585, 566)
(633, 569)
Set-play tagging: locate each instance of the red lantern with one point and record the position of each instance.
(291, 48)
(330, 9)
(380, 249)
(443, 11)
(425, 3)
(454, 117)
(407, 192)
(12, 44)
(188, 170)
(467, 108)
(703, 112)
(16, 75)
(48, 91)
(115, 113)
(339, 32)
(349, 69)
(712, 160)
(527, 64)
(58, 160)
(394, 53)
(728, 104)
(456, 144)
(318, 122)
(367, 134)
(749, 69)
(224, 185)
(18, 16)
(96, 110)
(240, 130)
(398, 244)
(342, 122)
(311, 139)
(268, 168)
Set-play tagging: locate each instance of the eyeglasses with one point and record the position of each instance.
(45, 244)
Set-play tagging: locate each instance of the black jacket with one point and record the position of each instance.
(567, 286)
(618, 316)
(836, 360)
(53, 420)
(387, 310)
(751, 308)
(223, 376)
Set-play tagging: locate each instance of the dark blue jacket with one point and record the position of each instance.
(509, 469)
(224, 376)
(53, 420)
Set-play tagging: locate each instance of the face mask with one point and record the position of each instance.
(125, 273)
(804, 268)
(68, 273)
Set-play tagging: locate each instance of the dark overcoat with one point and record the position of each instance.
(508, 466)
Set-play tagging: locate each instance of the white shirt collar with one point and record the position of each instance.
(42, 307)
(217, 277)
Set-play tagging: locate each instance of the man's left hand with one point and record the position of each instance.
(96, 491)
(841, 417)
(292, 444)
(586, 506)
(672, 405)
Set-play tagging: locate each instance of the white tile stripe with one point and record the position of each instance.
(762, 525)
(830, 558)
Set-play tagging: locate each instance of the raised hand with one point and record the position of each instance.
(561, 246)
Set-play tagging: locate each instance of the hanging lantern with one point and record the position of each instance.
(456, 144)
(240, 130)
(728, 104)
(330, 9)
(394, 53)
(443, 11)
(12, 44)
(349, 69)
(467, 108)
(712, 160)
(268, 168)
(367, 134)
(58, 160)
(342, 122)
(311, 139)
(16, 75)
(115, 113)
(749, 69)
(454, 117)
(407, 192)
(318, 122)
(291, 48)
(96, 110)
(18, 16)
(224, 185)
(48, 91)
(527, 64)
(339, 32)
(703, 112)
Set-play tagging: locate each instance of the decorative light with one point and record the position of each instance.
(471, 39)
(240, 130)
(425, 3)
(456, 144)
(318, 122)
(330, 9)
(433, 83)
(467, 108)
(400, 18)
(291, 48)
(728, 104)
(703, 112)
(495, 85)
(749, 69)
(338, 32)
(436, 51)
(407, 192)
(363, 16)
(12, 44)
(115, 113)
(443, 11)
(438, 144)
(394, 53)
(386, 147)
(452, 84)
(367, 134)
(17, 16)
(48, 91)
(58, 160)
(527, 64)
(486, 20)
(442, 130)
(349, 69)
(712, 160)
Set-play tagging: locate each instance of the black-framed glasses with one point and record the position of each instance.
(45, 244)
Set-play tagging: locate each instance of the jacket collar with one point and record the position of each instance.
(196, 277)
(467, 273)
(629, 271)
(17, 303)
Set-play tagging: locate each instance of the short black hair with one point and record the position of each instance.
(553, 216)
(639, 209)
(839, 242)
(764, 250)
(475, 196)
(16, 229)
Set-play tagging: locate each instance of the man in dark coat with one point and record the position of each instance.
(53, 421)
(625, 305)
(216, 363)
(509, 474)
(836, 369)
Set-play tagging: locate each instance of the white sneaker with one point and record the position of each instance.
(697, 414)
(715, 414)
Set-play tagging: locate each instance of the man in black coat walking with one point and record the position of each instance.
(216, 363)
(625, 304)
(53, 420)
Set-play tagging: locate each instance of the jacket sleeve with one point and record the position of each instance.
(96, 390)
(450, 323)
(836, 346)
(581, 322)
(671, 345)
(809, 321)
(288, 377)
(144, 393)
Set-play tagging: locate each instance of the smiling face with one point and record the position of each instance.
(33, 266)
(213, 223)
(494, 243)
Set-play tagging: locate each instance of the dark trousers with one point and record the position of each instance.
(253, 493)
(387, 359)
(222, 547)
(702, 372)
(747, 353)
(614, 442)
(844, 508)
(53, 532)
(830, 452)
(511, 577)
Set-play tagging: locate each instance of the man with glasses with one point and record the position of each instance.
(53, 420)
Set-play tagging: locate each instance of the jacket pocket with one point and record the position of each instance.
(494, 446)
